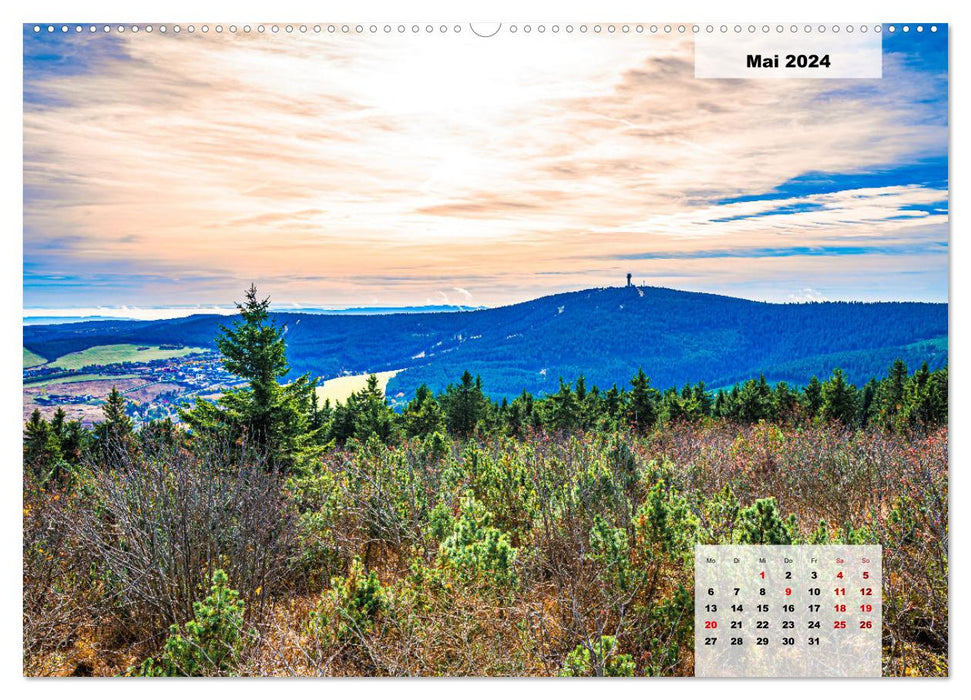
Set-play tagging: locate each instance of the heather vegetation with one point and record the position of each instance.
(266, 533)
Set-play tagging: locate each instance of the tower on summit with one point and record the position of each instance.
(628, 280)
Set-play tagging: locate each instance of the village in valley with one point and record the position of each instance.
(154, 387)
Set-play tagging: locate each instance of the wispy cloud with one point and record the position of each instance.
(342, 169)
(792, 251)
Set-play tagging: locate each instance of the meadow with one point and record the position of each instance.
(32, 359)
(339, 389)
(76, 378)
(101, 355)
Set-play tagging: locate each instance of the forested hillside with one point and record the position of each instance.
(604, 334)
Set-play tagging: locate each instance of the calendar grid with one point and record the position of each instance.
(788, 611)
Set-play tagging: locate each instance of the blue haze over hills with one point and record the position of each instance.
(604, 334)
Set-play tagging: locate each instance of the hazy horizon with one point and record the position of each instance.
(39, 316)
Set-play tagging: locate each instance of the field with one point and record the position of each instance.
(32, 359)
(83, 394)
(338, 390)
(75, 378)
(116, 354)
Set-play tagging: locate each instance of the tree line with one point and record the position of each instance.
(287, 421)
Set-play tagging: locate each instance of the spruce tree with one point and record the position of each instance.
(373, 415)
(813, 397)
(643, 400)
(465, 405)
(785, 401)
(701, 399)
(938, 397)
(925, 397)
(755, 400)
(839, 399)
(51, 448)
(868, 398)
(266, 415)
(520, 415)
(113, 435)
(423, 415)
(562, 409)
(891, 397)
(613, 404)
(41, 448)
(114, 430)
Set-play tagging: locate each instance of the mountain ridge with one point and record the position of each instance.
(603, 333)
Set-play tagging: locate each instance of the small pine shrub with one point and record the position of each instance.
(210, 644)
(671, 628)
(599, 658)
(436, 446)
(820, 535)
(664, 525)
(477, 549)
(761, 523)
(720, 512)
(441, 522)
(623, 463)
(351, 605)
(317, 498)
(609, 548)
(845, 535)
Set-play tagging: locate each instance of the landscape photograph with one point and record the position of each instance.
(385, 350)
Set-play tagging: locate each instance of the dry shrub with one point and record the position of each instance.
(157, 522)
(53, 608)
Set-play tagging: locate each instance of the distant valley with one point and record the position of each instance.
(605, 334)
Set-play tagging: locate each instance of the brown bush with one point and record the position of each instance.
(157, 522)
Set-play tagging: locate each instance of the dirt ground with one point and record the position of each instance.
(135, 390)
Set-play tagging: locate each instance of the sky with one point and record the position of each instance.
(165, 171)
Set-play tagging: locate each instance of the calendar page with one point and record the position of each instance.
(414, 347)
